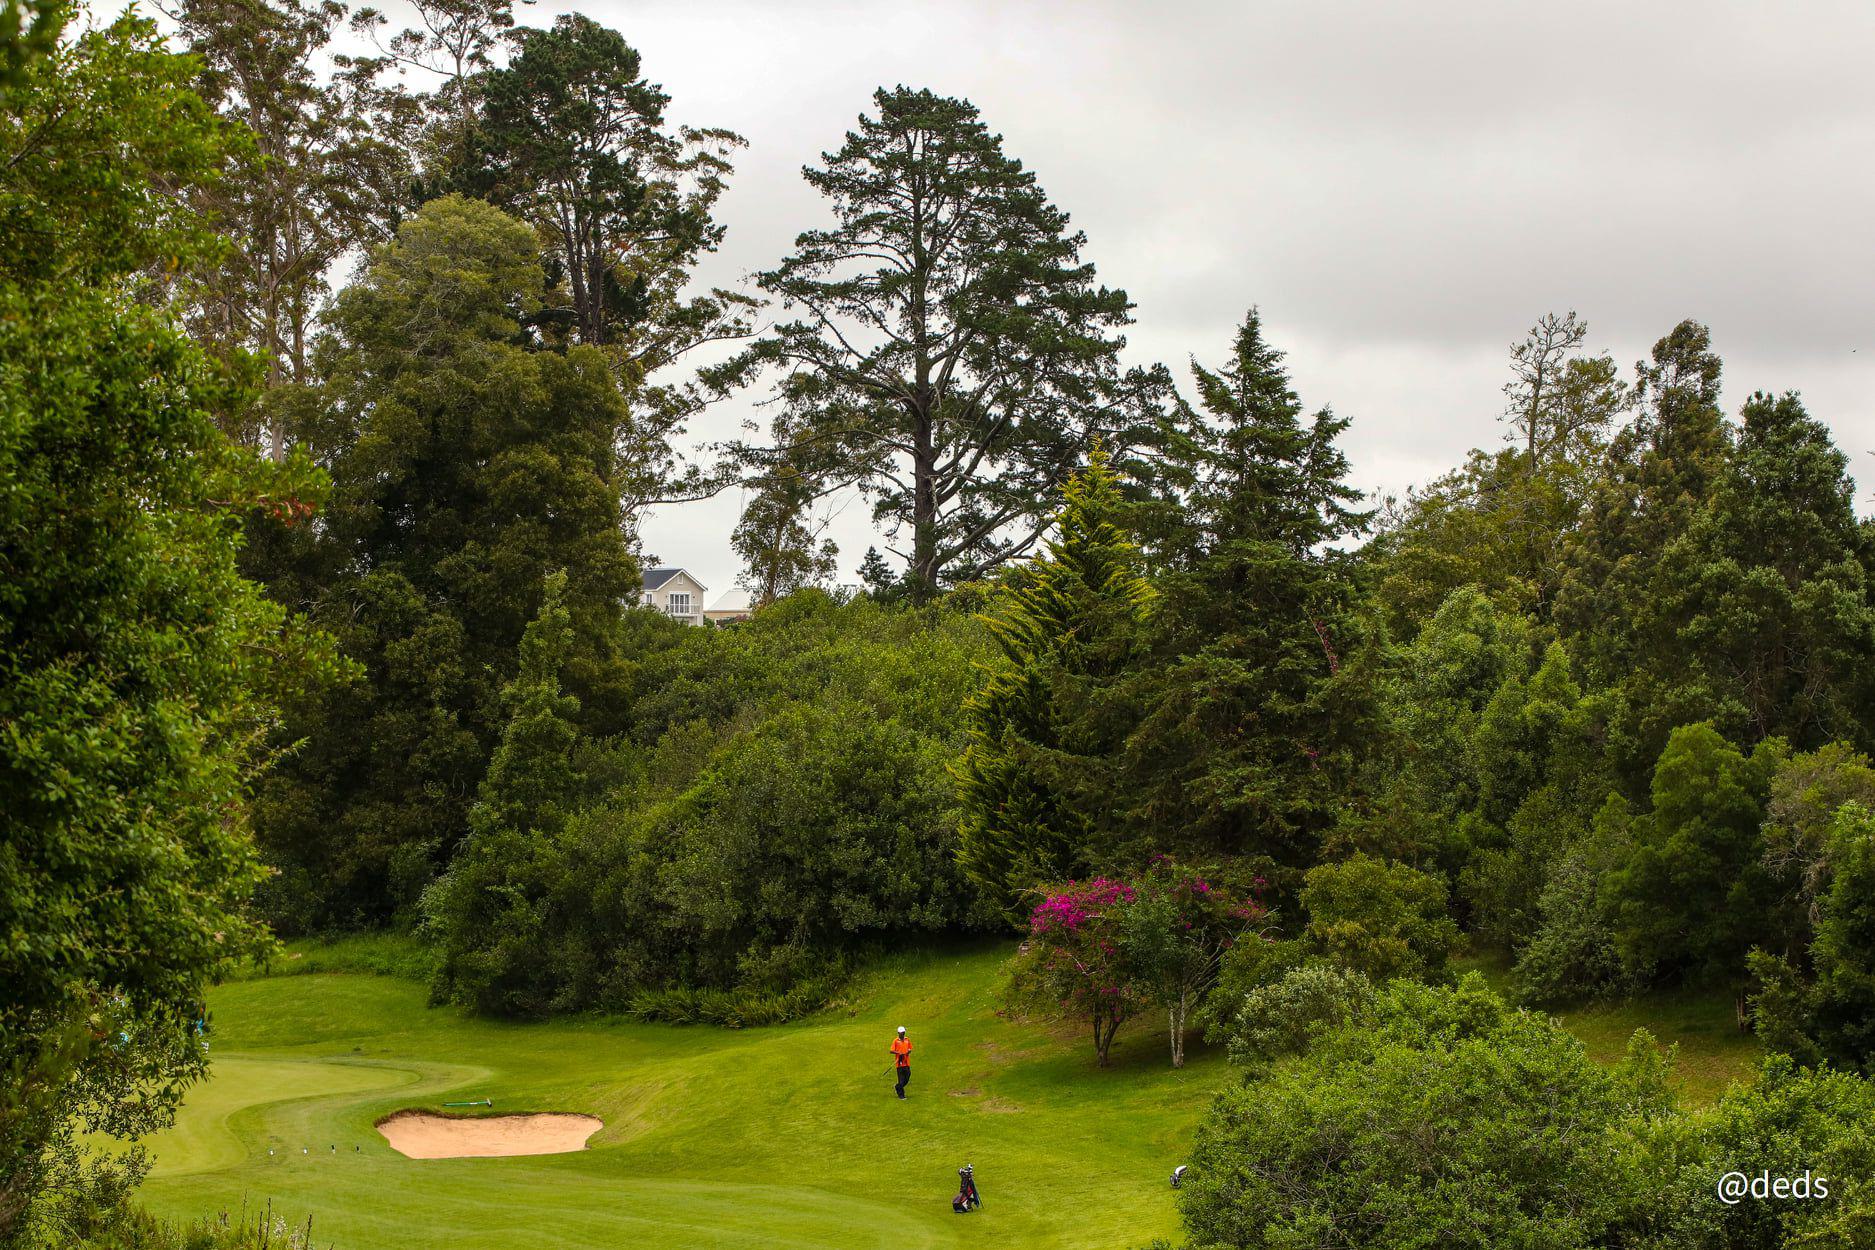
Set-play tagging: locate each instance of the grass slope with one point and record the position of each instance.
(780, 1137)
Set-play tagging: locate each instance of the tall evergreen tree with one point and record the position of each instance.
(1721, 574)
(464, 466)
(574, 139)
(1253, 714)
(1775, 590)
(953, 346)
(1614, 605)
(485, 911)
(1037, 773)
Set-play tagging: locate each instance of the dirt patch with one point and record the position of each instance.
(1002, 1106)
(427, 1135)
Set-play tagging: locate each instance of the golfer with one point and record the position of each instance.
(901, 1055)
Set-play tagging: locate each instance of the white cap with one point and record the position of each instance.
(901, 1028)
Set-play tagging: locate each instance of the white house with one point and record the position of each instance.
(676, 594)
(733, 606)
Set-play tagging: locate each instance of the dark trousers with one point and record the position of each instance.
(904, 1079)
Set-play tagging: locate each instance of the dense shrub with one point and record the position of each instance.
(1419, 1117)
(786, 795)
(1383, 919)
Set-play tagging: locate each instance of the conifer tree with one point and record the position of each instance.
(484, 910)
(1041, 740)
(951, 348)
(1251, 711)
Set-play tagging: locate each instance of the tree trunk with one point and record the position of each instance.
(1177, 1011)
(924, 551)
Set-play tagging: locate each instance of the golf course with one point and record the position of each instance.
(780, 1136)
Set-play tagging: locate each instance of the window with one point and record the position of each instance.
(678, 604)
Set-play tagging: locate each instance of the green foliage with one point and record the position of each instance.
(1381, 919)
(784, 797)
(465, 466)
(1442, 1116)
(485, 908)
(138, 669)
(1828, 1014)
(575, 139)
(1037, 774)
(1692, 895)
(1502, 521)
(1174, 933)
(1285, 1017)
(1807, 791)
(1252, 719)
(92, 124)
(1787, 1122)
(28, 29)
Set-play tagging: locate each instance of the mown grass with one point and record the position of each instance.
(785, 1136)
(782, 1136)
(1713, 1051)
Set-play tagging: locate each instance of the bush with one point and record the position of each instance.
(1425, 1117)
(785, 797)
(1382, 919)
(1285, 1018)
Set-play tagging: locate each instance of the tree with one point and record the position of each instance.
(1617, 603)
(1075, 955)
(1251, 718)
(1379, 919)
(780, 544)
(453, 42)
(1774, 591)
(1037, 771)
(878, 578)
(953, 350)
(1692, 896)
(1829, 1013)
(1424, 1116)
(321, 176)
(138, 669)
(1560, 401)
(575, 140)
(465, 467)
(1174, 933)
(485, 908)
(28, 28)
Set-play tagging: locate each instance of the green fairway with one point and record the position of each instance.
(785, 1136)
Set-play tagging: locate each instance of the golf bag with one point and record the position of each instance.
(967, 1199)
(1178, 1176)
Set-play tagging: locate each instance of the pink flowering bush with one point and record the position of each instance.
(1104, 948)
(1075, 957)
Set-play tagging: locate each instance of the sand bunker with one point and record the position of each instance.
(426, 1135)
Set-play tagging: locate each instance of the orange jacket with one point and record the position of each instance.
(902, 1049)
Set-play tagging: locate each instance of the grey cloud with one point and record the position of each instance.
(1401, 187)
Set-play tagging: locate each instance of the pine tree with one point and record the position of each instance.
(1034, 776)
(953, 348)
(1253, 715)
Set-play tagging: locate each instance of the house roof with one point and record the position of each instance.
(734, 601)
(657, 577)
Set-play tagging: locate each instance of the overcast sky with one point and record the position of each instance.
(1402, 188)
